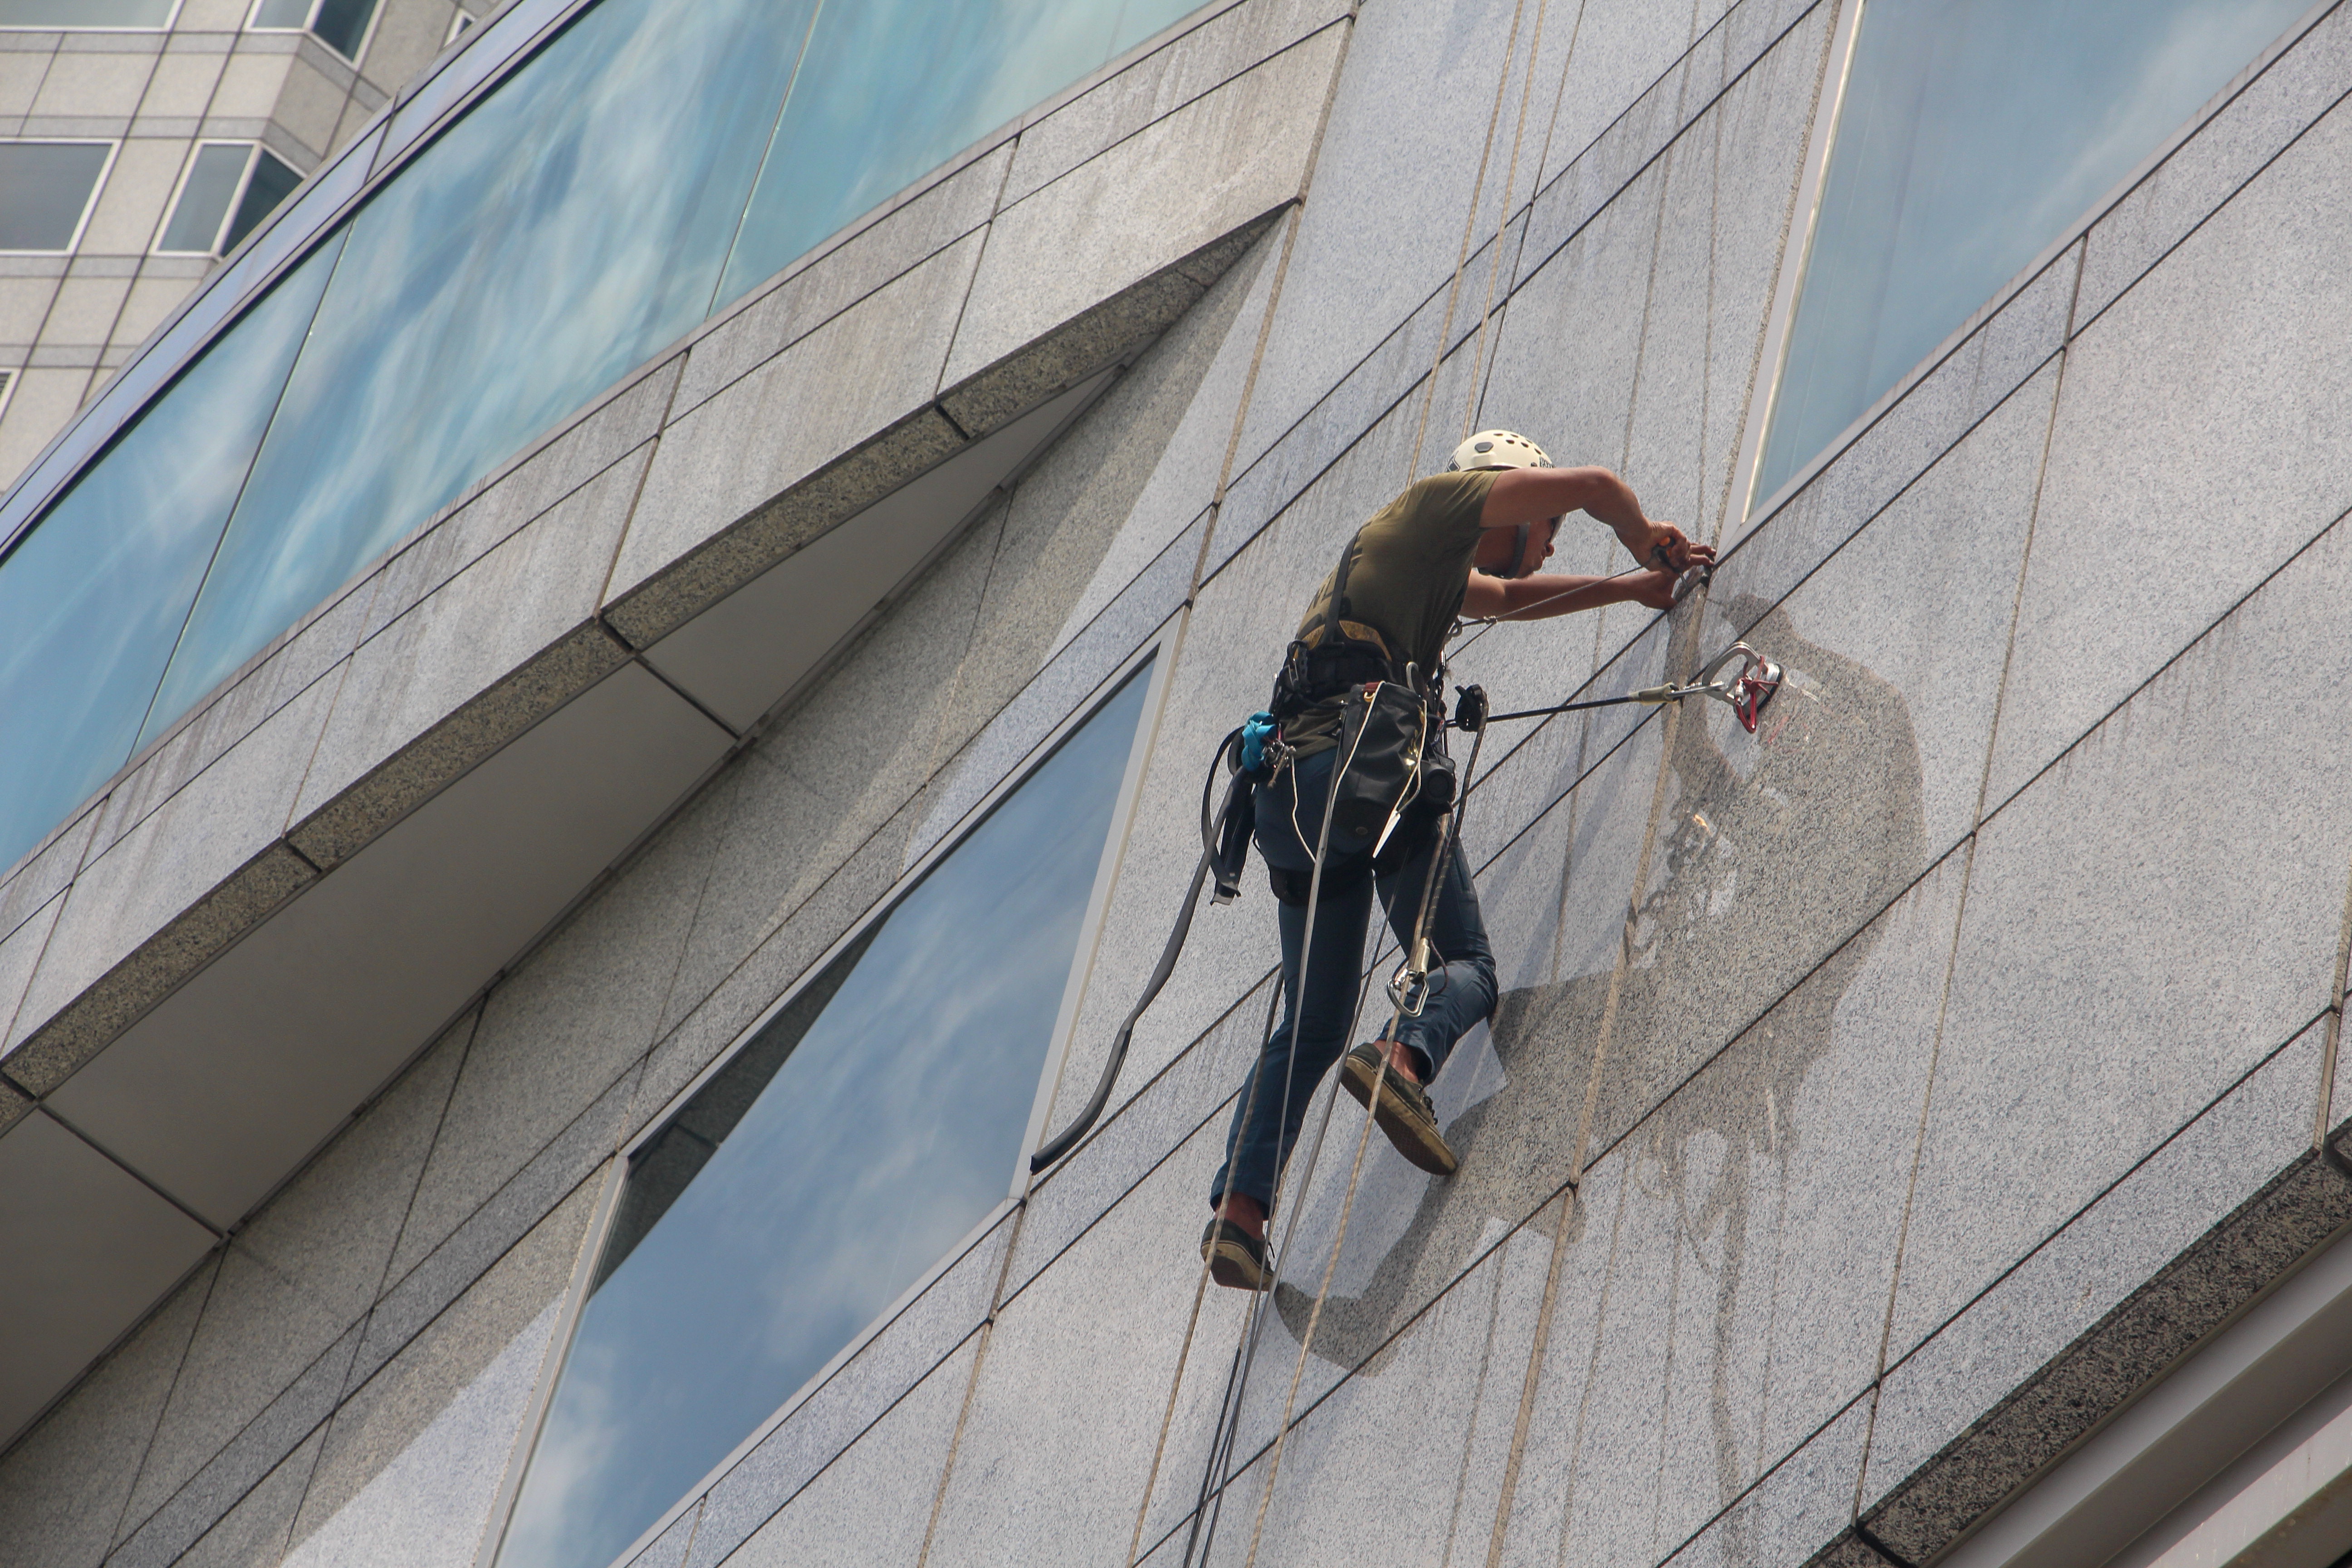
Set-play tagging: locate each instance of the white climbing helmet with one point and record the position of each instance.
(1498, 449)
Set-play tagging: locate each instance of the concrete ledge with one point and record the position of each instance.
(2110, 1364)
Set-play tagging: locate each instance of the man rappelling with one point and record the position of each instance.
(1353, 706)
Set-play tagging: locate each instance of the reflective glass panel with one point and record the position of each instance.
(1974, 132)
(282, 13)
(205, 197)
(43, 188)
(85, 13)
(859, 1135)
(94, 597)
(571, 224)
(892, 87)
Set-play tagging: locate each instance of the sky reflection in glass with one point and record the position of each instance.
(574, 221)
(865, 1130)
(1974, 132)
(499, 283)
(95, 598)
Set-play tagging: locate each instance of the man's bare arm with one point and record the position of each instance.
(1541, 597)
(1531, 495)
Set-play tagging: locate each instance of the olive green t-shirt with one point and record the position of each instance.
(1409, 567)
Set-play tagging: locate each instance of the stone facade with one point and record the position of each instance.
(1875, 1107)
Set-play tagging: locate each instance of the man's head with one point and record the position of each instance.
(1529, 544)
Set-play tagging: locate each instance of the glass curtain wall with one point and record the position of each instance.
(651, 164)
(1974, 133)
(862, 1131)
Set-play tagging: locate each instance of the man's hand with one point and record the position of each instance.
(1655, 589)
(1679, 551)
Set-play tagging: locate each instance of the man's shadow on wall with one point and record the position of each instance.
(1769, 849)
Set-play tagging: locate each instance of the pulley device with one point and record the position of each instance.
(1746, 691)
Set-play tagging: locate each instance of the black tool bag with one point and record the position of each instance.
(1383, 736)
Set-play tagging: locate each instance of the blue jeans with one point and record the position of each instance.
(1314, 1029)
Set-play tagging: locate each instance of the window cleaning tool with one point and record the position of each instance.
(1747, 693)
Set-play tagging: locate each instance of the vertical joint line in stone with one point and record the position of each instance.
(1470, 398)
(986, 1332)
(1469, 230)
(2335, 1016)
(1531, 1383)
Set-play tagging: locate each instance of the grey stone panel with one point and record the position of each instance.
(791, 448)
(800, 806)
(1729, 193)
(1066, 1415)
(1899, 439)
(1722, 1290)
(1169, 78)
(492, 650)
(2235, 146)
(15, 1105)
(1803, 1501)
(561, 1172)
(567, 1024)
(63, 1485)
(1374, 245)
(48, 870)
(1050, 698)
(743, 990)
(2200, 394)
(1051, 254)
(1775, 848)
(1624, 52)
(1159, 1117)
(813, 292)
(525, 491)
(1401, 1462)
(250, 1452)
(873, 1504)
(931, 1333)
(195, 875)
(20, 951)
(415, 1457)
(668, 1549)
(1937, 1465)
(253, 1533)
(2110, 976)
(299, 1278)
(284, 674)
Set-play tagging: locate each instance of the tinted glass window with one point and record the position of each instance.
(85, 13)
(1974, 132)
(576, 218)
(205, 197)
(865, 1129)
(44, 187)
(273, 180)
(94, 599)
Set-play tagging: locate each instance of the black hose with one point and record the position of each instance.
(1064, 1140)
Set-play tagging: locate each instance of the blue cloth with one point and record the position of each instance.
(1255, 732)
(1265, 1130)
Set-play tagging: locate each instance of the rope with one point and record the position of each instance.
(1214, 1479)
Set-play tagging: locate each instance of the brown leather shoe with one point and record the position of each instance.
(1236, 1258)
(1405, 1114)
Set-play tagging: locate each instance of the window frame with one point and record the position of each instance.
(9, 376)
(1770, 364)
(461, 22)
(367, 34)
(113, 146)
(170, 19)
(229, 214)
(1159, 651)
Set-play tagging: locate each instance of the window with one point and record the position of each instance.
(141, 14)
(228, 188)
(46, 191)
(869, 1124)
(1973, 134)
(341, 24)
(463, 23)
(7, 385)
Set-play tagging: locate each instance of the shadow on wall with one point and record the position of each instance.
(1769, 849)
